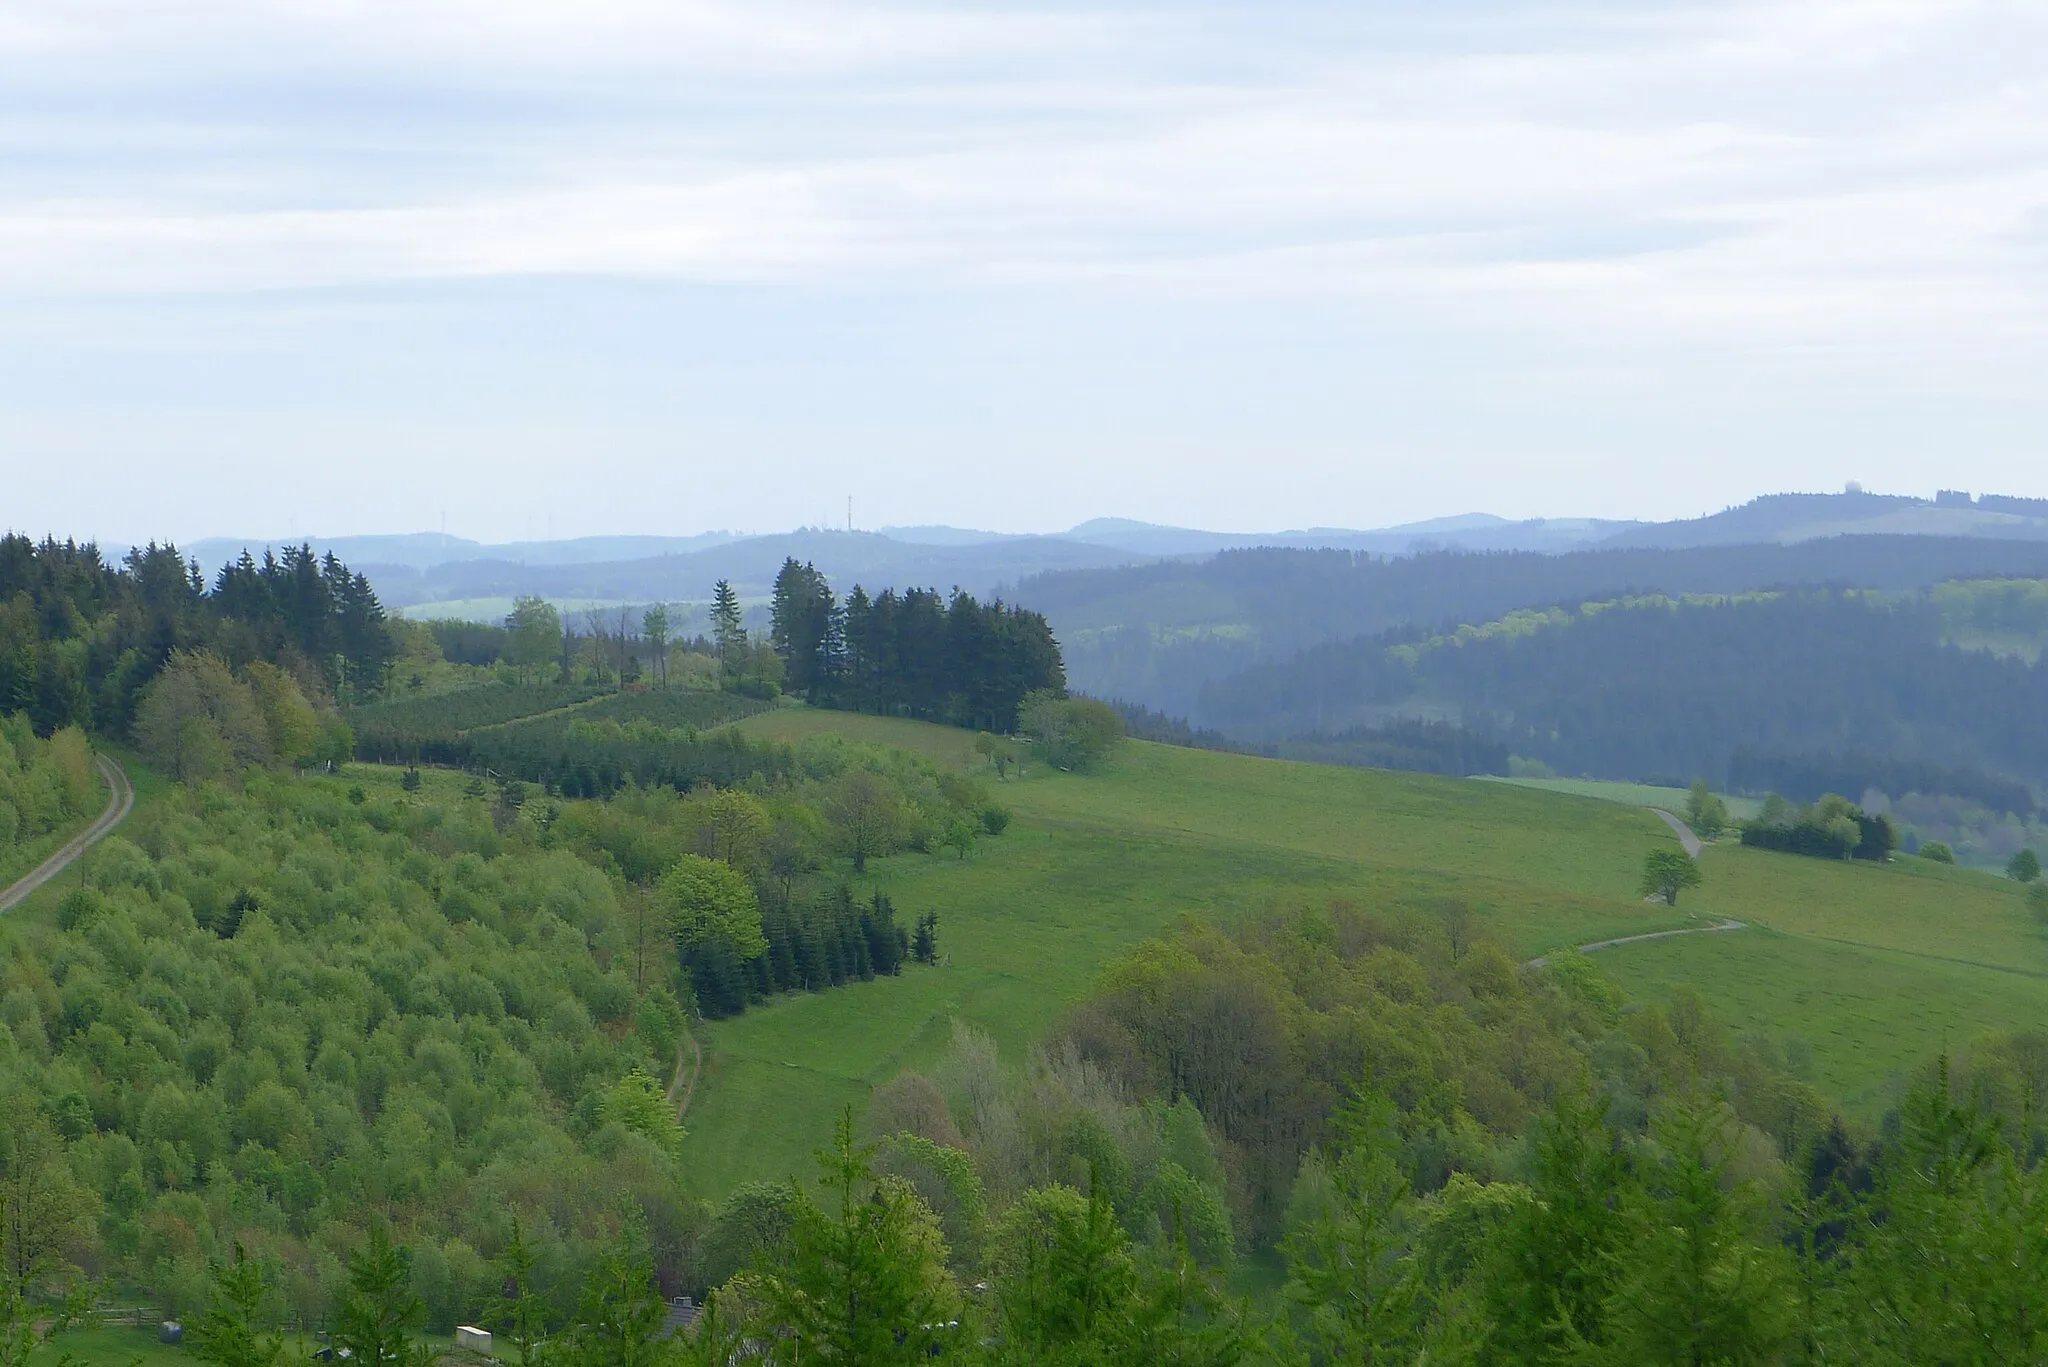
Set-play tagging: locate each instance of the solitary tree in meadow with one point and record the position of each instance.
(2023, 867)
(1666, 872)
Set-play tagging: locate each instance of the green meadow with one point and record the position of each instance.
(1866, 969)
(1873, 969)
(1093, 863)
(1630, 794)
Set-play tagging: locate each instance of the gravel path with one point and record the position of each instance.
(120, 798)
(1692, 850)
(1682, 831)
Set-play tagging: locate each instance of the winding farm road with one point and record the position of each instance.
(1693, 847)
(120, 798)
(1683, 832)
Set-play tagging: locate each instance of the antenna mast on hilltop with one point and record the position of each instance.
(849, 512)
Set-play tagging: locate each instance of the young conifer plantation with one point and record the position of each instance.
(375, 1033)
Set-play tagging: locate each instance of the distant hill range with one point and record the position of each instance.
(417, 570)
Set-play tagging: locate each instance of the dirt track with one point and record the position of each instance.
(121, 797)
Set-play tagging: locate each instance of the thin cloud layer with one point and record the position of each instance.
(1864, 178)
(1713, 168)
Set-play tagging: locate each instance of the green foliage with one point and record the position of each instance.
(713, 905)
(752, 1222)
(198, 721)
(1070, 733)
(1938, 852)
(619, 1317)
(1347, 1225)
(406, 729)
(379, 1314)
(1705, 812)
(233, 1332)
(868, 813)
(1666, 872)
(1065, 1275)
(569, 739)
(727, 632)
(637, 1102)
(2023, 867)
(46, 786)
(862, 1279)
(1697, 1278)
(81, 639)
(1832, 828)
(287, 1014)
(520, 1315)
(44, 1211)
(534, 637)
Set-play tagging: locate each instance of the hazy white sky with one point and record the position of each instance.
(274, 266)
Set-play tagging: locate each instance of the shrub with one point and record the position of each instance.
(1071, 733)
(994, 819)
(1937, 851)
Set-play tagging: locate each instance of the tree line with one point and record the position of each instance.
(81, 639)
(915, 654)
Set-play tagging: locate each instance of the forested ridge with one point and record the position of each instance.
(1155, 634)
(1760, 687)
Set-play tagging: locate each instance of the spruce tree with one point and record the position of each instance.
(1546, 1282)
(231, 1332)
(1696, 1281)
(379, 1313)
(861, 1278)
(620, 1315)
(1345, 1263)
(727, 632)
(522, 1314)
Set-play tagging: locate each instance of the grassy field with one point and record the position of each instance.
(1093, 863)
(1869, 968)
(1630, 794)
(1872, 967)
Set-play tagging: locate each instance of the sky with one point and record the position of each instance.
(513, 268)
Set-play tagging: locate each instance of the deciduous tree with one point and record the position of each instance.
(654, 627)
(2023, 867)
(713, 904)
(867, 812)
(1666, 873)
